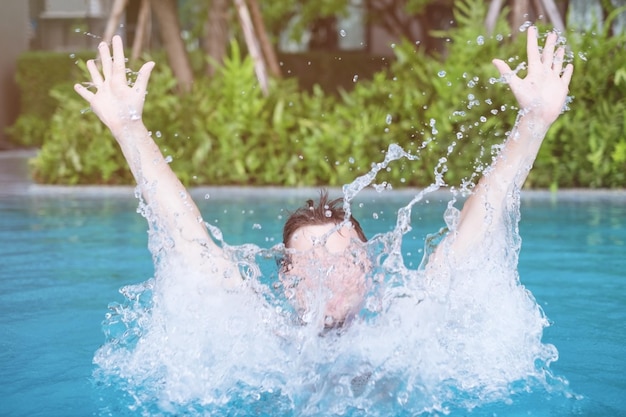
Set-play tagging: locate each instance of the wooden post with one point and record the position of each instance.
(253, 46)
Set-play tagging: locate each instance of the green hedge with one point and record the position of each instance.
(446, 110)
(37, 73)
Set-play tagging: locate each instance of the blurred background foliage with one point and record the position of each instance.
(435, 104)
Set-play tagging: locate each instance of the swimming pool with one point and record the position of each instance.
(66, 252)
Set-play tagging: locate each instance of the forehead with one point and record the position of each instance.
(334, 239)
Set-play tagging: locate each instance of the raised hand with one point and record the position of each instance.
(115, 102)
(544, 89)
(541, 96)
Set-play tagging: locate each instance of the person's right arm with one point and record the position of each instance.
(119, 106)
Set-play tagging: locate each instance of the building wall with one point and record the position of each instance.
(14, 38)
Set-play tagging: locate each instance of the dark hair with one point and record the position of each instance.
(324, 212)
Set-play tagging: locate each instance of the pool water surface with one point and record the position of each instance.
(65, 253)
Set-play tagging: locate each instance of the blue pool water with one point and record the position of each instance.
(65, 253)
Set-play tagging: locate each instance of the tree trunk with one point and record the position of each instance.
(521, 12)
(554, 15)
(143, 28)
(169, 27)
(114, 19)
(492, 15)
(266, 45)
(252, 43)
(216, 37)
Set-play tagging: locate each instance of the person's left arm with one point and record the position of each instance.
(541, 96)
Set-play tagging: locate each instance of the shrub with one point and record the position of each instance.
(37, 73)
(586, 147)
(448, 111)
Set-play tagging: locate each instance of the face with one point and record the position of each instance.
(326, 270)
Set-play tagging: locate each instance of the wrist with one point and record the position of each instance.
(128, 130)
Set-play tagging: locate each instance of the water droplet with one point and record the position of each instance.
(355, 78)
(158, 134)
(480, 40)
(525, 26)
(441, 74)
(499, 37)
(342, 33)
(168, 159)
(388, 119)
(582, 56)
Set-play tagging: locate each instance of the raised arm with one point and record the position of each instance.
(541, 96)
(119, 106)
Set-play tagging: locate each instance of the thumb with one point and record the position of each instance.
(143, 76)
(502, 67)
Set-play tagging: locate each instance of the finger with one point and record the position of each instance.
(83, 92)
(141, 83)
(96, 77)
(532, 48)
(567, 74)
(105, 59)
(557, 65)
(504, 69)
(119, 61)
(547, 57)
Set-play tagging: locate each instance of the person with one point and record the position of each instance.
(324, 249)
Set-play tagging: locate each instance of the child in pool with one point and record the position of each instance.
(322, 246)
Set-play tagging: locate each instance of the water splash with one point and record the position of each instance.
(459, 337)
(427, 340)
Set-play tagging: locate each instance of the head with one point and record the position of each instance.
(326, 263)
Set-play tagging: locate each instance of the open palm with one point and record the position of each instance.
(115, 102)
(544, 89)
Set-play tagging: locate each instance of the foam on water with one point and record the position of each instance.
(460, 336)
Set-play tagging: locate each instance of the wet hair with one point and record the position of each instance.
(324, 212)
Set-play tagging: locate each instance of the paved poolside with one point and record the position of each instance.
(14, 173)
